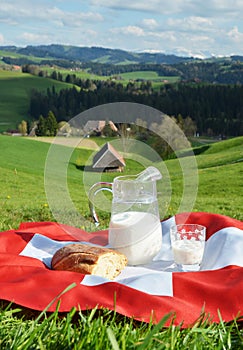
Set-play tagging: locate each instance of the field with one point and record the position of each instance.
(82, 73)
(125, 77)
(17, 55)
(15, 89)
(23, 198)
(147, 75)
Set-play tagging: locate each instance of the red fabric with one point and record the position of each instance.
(28, 282)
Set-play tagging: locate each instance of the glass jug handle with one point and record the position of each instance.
(96, 188)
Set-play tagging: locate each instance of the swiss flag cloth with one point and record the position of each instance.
(144, 292)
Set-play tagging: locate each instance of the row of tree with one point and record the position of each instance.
(47, 126)
(215, 109)
(44, 126)
(226, 72)
(165, 137)
(89, 84)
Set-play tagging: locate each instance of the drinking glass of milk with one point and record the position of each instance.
(135, 228)
(188, 241)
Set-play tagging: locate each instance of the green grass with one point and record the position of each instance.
(107, 330)
(147, 75)
(220, 170)
(17, 55)
(15, 90)
(23, 198)
(156, 80)
(82, 73)
(153, 76)
(22, 166)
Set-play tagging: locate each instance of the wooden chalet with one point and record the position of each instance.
(108, 159)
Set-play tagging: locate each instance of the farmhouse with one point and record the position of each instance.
(108, 159)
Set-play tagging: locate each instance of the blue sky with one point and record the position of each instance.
(189, 27)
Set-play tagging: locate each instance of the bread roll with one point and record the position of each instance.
(89, 260)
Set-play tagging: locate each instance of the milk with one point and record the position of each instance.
(138, 235)
(188, 252)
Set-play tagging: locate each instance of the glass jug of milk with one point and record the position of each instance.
(135, 228)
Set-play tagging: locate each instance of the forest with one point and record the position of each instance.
(216, 109)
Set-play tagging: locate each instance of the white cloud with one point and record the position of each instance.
(80, 19)
(168, 36)
(192, 23)
(205, 8)
(150, 23)
(128, 5)
(8, 21)
(1, 39)
(235, 35)
(29, 38)
(39, 13)
(151, 6)
(210, 8)
(129, 30)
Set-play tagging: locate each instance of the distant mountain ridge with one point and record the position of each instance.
(95, 54)
(109, 62)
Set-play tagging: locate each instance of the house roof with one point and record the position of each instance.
(108, 157)
(98, 125)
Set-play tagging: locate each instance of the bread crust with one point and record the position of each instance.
(88, 259)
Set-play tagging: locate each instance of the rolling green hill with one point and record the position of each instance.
(23, 197)
(15, 89)
(124, 68)
(86, 54)
(226, 70)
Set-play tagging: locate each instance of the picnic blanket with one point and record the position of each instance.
(144, 292)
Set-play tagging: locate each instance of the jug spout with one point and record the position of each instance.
(150, 173)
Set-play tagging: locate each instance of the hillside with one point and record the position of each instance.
(22, 166)
(214, 108)
(38, 53)
(106, 62)
(89, 54)
(15, 89)
(209, 91)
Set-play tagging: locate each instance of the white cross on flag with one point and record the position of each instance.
(142, 292)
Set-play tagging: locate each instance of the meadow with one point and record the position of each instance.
(23, 198)
(15, 90)
(123, 78)
(17, 55)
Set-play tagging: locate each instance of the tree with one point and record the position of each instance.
(51, 124)
(189, 126)
(140, 130)
(54, 75)
(22, 127)
(41, 127)
(64, 127)
(180, 121)
(109, 129)
(169, 137)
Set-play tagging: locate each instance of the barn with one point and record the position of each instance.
(108, 159)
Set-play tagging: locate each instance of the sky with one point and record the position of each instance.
(199, 28)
